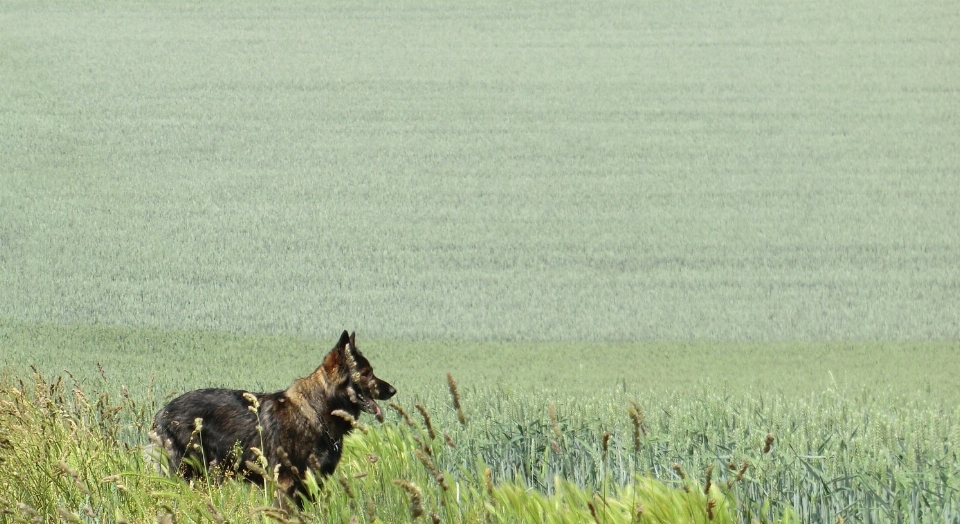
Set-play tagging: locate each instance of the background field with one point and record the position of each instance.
(743, 217)
(508, 171)
(568, 372)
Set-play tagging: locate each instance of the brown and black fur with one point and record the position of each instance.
(299, 428)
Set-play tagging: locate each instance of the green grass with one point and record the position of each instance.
(866, 431)
(536, 197)
(505, 171)
(65, 458)
(182, 360)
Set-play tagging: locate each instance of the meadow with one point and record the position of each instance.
(688, 225)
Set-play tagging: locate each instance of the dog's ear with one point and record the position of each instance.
(345, 339)
(353, 339)
(337, 357)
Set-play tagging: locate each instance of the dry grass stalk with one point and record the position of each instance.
(456, 399)
(423, 445)
(28, 511)
(553, 422)
(708, 483)
(403, 413)
(81, 485)
(605, 445)
(593, 512)
(271, 513)
(740, 472)
(214, 514)
(679, 470)
(636, 417)
(432, 468)
(68, 516)
(350, 420)
(711, 505)
(259, 457)
(416, 497)
(449, 440)
(256, 468)
(347, 489)
(488, 480)
(426, 420)
(683, 475)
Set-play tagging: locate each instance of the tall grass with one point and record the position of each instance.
(65, 457)
(825, 458)
(876, 444)
(835, 455)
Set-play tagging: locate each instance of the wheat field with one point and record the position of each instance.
(483, 171)
(686, 226)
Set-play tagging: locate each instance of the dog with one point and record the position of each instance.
(218, 433)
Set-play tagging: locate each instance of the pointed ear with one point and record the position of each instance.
(344, 340)
(353, 339)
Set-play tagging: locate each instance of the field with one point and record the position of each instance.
(741, 217)
(864, 431)
(532, 171)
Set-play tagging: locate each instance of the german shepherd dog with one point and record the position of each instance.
(213, 432)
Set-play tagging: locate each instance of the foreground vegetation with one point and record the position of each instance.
(856, 448)
(67, 455)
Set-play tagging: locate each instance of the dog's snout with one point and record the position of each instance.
(386, 390)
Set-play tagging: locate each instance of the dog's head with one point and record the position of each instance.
(362, 387)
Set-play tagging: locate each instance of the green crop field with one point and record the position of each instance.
(726, 220)
(537, 171)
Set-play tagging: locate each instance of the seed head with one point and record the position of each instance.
(252, 399)
(449, 440)
(456, 399)
(679, 469)
(346, 487)
(593, 511)
(416, 497)
(350, 420)
(553, 422)
(768, 443)
(426, 420)
(403, 413)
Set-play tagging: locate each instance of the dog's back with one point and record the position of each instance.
(226, 423)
